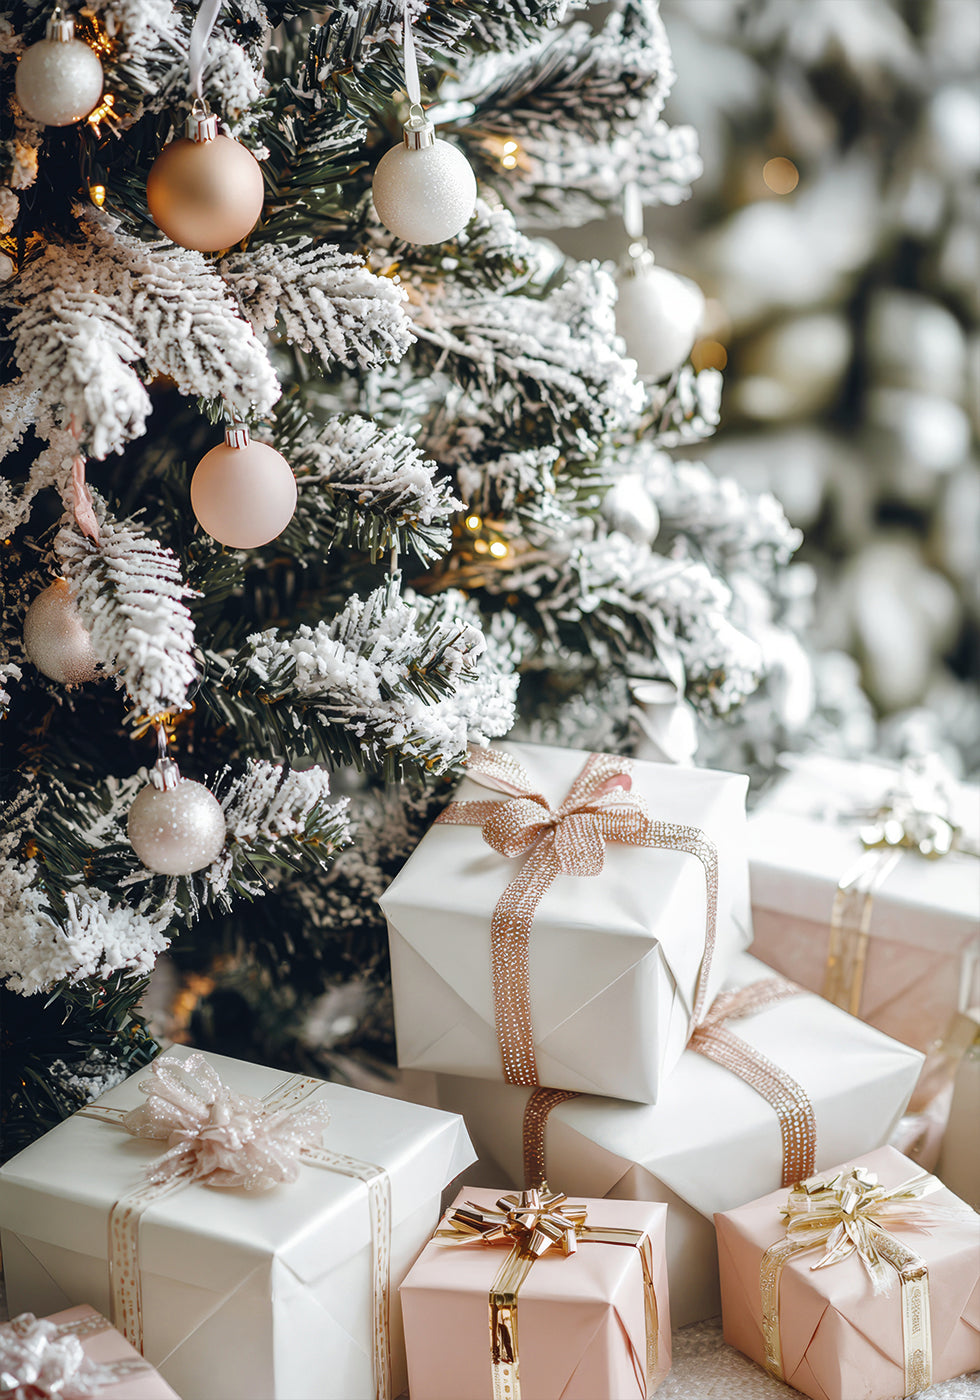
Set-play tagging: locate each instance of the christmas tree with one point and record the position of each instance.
(489, 532)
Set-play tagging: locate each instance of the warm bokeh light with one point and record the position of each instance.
(480, 546)
(473, 522)
(780, 175)
(498, 549)
(709, 354)
(96, 194)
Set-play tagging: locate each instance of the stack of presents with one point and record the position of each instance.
(658, 1123)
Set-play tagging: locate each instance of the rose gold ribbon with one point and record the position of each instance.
(219, 1138)
(850, 1213)
(532, 1222)
(570, 840)
(714, 1040)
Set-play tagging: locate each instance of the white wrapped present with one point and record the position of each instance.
(285, 1293)
(507, 963)
(884, 932)
(711, 1141)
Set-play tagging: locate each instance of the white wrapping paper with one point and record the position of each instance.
(614, 959)
(923, 952)
(262, 1297)
(710, 1142)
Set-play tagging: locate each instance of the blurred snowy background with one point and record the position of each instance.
(835, 232)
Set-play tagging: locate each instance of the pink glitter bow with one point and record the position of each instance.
(215, 1136)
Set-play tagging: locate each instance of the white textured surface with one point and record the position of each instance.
(706, 1369)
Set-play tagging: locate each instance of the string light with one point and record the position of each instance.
(473, 522)
(498, 549)
(104, 112)
(481, 546)
(709, 354)
(96, 194)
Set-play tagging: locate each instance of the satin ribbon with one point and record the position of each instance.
(713, 1039)
(204, 22)
(914, 816)
(42, 1359)
(570, 840)
(221, 1139)
(850, 1213)
(412, 86)
(532, 1222)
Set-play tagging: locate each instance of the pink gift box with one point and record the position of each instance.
(581, 1323)
(105, 1346)
(924, 936)
(839, 1340)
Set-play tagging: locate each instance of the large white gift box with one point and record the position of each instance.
(616, 961)
(710, 1142)
(923, 938)
(262, 1295)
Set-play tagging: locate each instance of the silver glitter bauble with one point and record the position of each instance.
(55, 638)
(176, 830)
(658, 314)
(59, 79)
(424, 189)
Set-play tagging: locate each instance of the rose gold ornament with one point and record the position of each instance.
(243, 492)
(205, 191)
(55, 637)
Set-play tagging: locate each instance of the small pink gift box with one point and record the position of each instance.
(826, 1331)
(106, 1351)
(590, 1325)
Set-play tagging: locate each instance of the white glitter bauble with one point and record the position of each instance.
(425, 195)
(243, 496)
(55, 638)
(176, 830)
(630, 509)
(59, 81)
(658, 314)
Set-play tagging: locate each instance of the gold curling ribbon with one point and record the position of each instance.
(713, 1039)
(533, 1222)
(847, 1213)
(570, 840)
(127, 1212)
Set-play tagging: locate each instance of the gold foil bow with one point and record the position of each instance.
(533, 1222)
(570, 840)
(849, 1213)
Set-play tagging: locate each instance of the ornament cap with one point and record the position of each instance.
(165, 775)
(202, 124)
(418, 132)
(236, 429)
(638, 259)
(60, 27)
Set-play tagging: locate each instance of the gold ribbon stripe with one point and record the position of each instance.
(844, 1214)
(125, 1216)
(599, 807)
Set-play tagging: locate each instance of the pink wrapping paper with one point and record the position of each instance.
(580, 1319)
(839, 1341)
(111, 1345)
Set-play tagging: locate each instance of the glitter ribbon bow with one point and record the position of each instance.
(215, 1136)
(568, 840)
(42, 1359)
(850, 1212)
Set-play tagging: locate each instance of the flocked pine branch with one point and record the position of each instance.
(323, 301)
(130, 594)
(392, 682)
(89, 315)
(364, 487)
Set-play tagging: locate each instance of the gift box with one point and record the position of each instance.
(915, 962)
(282, 1292)
(498, 1317)
(863, 1282)
(959, 1155)
(711, 1141)
(506, 964)
(72, 1354)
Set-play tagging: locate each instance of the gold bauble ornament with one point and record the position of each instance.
(205, 191)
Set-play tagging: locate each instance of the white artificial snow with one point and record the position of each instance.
(130, 591)
(323, 300)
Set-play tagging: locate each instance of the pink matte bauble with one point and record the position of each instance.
(243, 496)
(205, 195)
